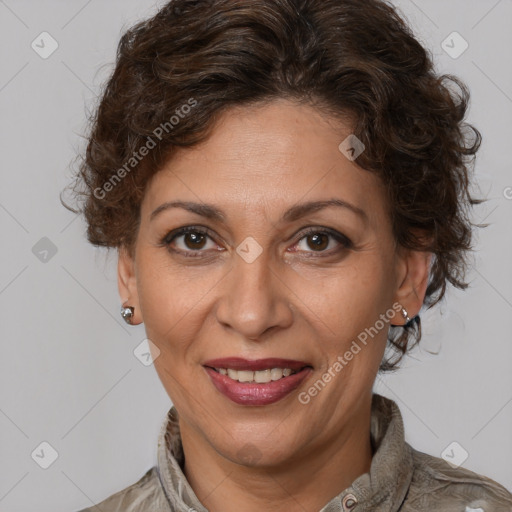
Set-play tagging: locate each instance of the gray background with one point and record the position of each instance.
(68, 375)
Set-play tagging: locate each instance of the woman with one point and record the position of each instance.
(287, 184)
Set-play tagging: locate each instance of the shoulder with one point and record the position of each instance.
(436, 485)
(144, 495)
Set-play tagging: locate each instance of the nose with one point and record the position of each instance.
(254, 299)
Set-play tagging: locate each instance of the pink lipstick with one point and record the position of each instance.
(256, 382)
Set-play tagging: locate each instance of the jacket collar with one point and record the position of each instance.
(383, 488)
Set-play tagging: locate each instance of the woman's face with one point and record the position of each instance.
(251, 283)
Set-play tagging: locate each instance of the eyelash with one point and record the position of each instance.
(344, 241)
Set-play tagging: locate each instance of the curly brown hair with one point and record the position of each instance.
(345, 57)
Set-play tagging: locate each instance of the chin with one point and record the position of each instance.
(265, 447)
(256, 455)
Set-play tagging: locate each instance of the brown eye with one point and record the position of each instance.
(194, 240)
(189, 240)
(318, 242)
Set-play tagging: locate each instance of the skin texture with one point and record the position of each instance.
(294, 301)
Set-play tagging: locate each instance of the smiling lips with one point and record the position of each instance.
(256, 382)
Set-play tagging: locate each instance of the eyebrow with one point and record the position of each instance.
(294, 213)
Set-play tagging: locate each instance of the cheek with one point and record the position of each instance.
(170, 303)
(166, 294)
(353, 291)
(175, 303)
(347, 305)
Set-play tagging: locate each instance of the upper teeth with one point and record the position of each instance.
(260, 376)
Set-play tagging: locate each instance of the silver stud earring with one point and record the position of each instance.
(405, 315)
(127, 313)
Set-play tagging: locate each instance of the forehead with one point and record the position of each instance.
(267, 156)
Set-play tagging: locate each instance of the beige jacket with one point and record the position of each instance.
(400, 478)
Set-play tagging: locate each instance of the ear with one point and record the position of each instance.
(413, 280)
(127, 283)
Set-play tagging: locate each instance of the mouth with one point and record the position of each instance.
(256, 382)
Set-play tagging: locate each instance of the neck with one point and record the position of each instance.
(307, 483)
